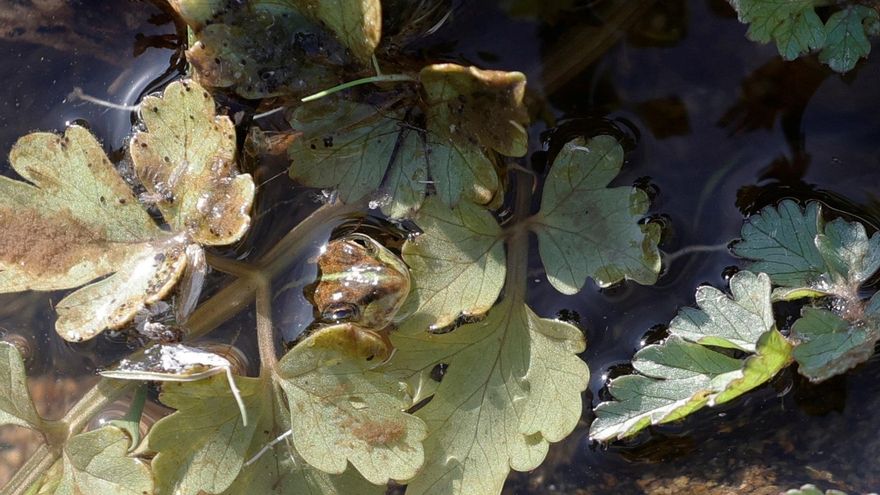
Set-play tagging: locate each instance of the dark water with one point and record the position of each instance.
(716, 127)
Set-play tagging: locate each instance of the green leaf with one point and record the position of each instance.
(512, 385)
(16, 406)
(97, 463)
(342, 411)
(586, 229)
(846, 39)
(850, 257)
(457, 265)
(792, 24)
(77, 220)
(780, 241)
(830, 344)
(357, 23)
(680, 376)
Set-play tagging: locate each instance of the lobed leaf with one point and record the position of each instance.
(846, 39)
(16, 406)
(357, 23)
(586, 229)
(512, 385)
(342, 411)
(458, 265)
(792, 24)
(683, 374)
(97, 463)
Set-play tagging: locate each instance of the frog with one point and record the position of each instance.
(360, 289)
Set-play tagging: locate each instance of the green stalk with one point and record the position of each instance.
(359, 82)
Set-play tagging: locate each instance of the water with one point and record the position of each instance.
(716, 127)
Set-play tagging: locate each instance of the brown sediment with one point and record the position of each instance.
(41, 244)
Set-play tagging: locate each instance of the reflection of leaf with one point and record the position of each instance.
(80, 221)
(458, 264)
(512, 385)
(588, 230)
(363, 151)
(846, 40)
(97, 463)
(680, 375)
(344, 412)
(830, 345)
(16, 407)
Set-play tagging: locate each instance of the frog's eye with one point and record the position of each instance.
(341, 312)
(365, 242)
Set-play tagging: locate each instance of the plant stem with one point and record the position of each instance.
(515, 284)
(28, 474)
(358, 82)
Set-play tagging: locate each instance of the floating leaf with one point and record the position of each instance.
(16, 407)
(846, 39)
(780, 241)
(812, 490)
(586, 229)
(512, 385)
(830, 344)
(850, 256)
(79, 221)
(680, 376)
(792, 24)
(261, 48)
(357, 23)
(97, 463)
(343, 412)
(458, 265)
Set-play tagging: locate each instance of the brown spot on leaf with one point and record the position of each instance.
(377, 433)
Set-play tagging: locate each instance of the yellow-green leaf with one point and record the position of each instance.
(357, 23)
(16, 407)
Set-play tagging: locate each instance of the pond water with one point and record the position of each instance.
(716, 128)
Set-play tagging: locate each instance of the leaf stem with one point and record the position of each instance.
(358, 82)
(517, 235)
(28, 474)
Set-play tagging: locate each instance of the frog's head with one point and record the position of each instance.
(359, 281)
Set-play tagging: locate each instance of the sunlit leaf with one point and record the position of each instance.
(16, 407)
(458, 265)
(812, 490)
(80, 221)
(97, 463)
(586, 229)
(829, 344)
(342, 411)
(780, 241)
(846, 39)
(512, 385)
(850, 256)
(680, 376)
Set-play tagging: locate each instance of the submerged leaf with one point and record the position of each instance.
(812, 490)
(357, 23)
(512, 385)
(97, 463)
(586, 229)
(342, 411)
(16, 407)
(80, 221)
(458, 265)
(683, 374)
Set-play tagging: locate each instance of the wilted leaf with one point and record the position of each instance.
(80, 221)
(458, 265)
(830, 344)
(846, 39)
(586, 229)
(792, 24)
(342, 411)
(97, 463)
(357, 23)
(16, 407)
(261, 48)
(680, 376)
(780, 241)
(512, 385)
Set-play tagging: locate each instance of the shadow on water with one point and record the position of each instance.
(716, 127)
